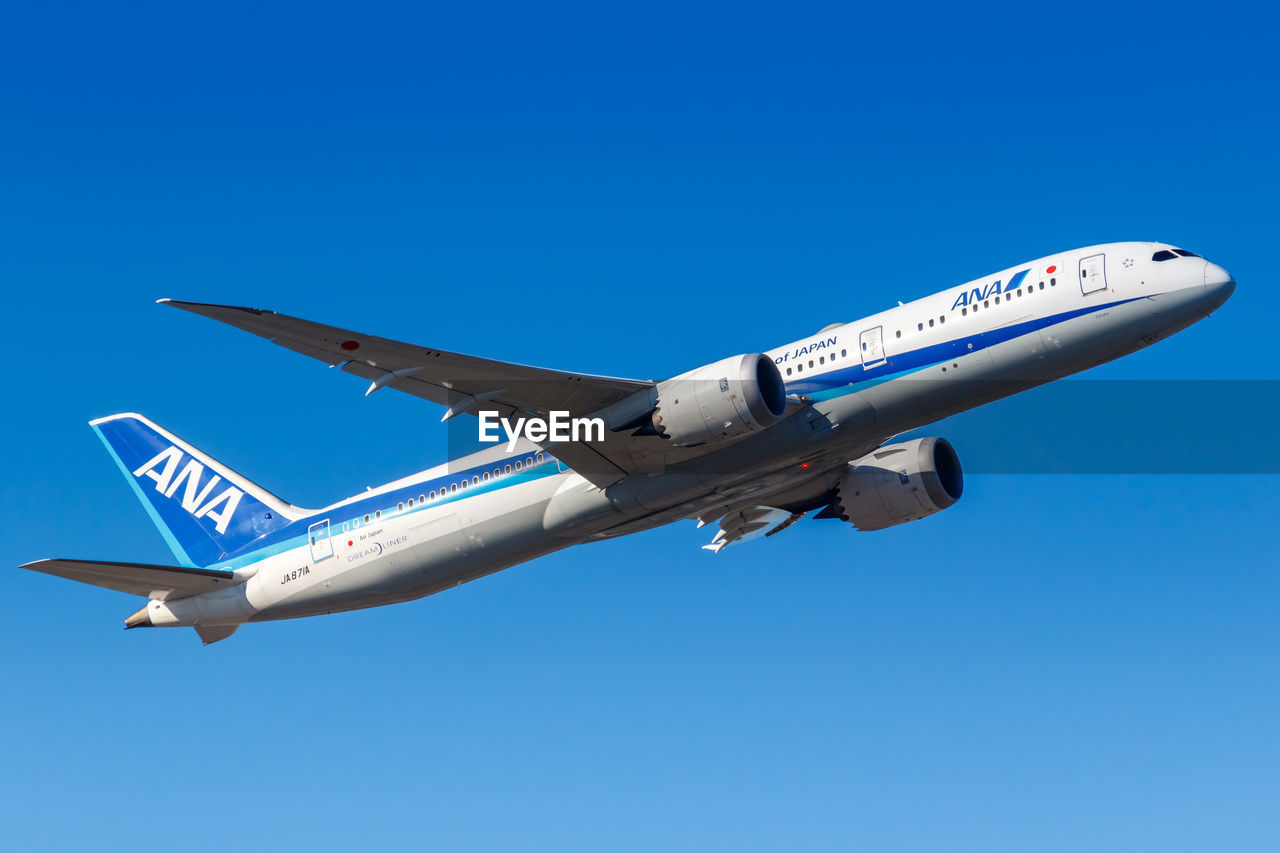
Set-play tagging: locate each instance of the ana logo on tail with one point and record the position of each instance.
(195, 499)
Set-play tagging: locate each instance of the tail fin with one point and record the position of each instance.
(205, 511)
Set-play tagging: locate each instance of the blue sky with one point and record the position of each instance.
(1057, 663)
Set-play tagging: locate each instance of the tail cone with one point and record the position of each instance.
(141, 619)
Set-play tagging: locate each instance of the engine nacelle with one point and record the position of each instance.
(899, 483)
(728, 399)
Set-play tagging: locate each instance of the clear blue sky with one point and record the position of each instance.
(1058, 663)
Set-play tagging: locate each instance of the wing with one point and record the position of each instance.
(464, 382)
(159, 582)
(451, 379)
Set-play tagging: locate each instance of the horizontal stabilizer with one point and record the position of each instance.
(158, 582)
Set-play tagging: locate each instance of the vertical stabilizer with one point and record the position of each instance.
(205, 511)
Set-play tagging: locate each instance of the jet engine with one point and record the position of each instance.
(898, 483)
(727, 399)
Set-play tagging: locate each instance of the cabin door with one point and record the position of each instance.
(321, 545)
(871, 342)
(1093, 273)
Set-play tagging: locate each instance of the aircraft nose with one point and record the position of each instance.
(1218, 283)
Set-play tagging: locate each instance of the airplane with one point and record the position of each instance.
(752, 443)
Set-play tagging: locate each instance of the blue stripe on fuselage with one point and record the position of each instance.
(855, 377)
(295, 535)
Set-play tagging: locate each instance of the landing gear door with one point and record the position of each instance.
(1093, 274)
(321, 545)
(871, 343)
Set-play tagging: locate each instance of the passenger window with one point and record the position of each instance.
(423, 498)
(930, 322)
(986, 303)
(1053, 282)
(411, 503)
(800, 368)
(528, 461)
(345, 526)
(919, 327)
(475, 481)
(822, 359)
(355, 523)
(997, 300)
(377, 513)
(964, 312)
(540, 459)
(788, 371)
(433, 494)
(810, 364)
(942, 320)
(486, 476)
(844, 353)
(506, 470)
(899, 333)
(519, 465)
(400, 506)
(453, 487)
(366, 518)
(864, 346)
(1042, 285)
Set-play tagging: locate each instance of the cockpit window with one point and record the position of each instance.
(1167, 255)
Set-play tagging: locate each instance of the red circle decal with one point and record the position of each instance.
(1051, 269)
(350, 345)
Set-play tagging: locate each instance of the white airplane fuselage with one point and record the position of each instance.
(860, 384)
